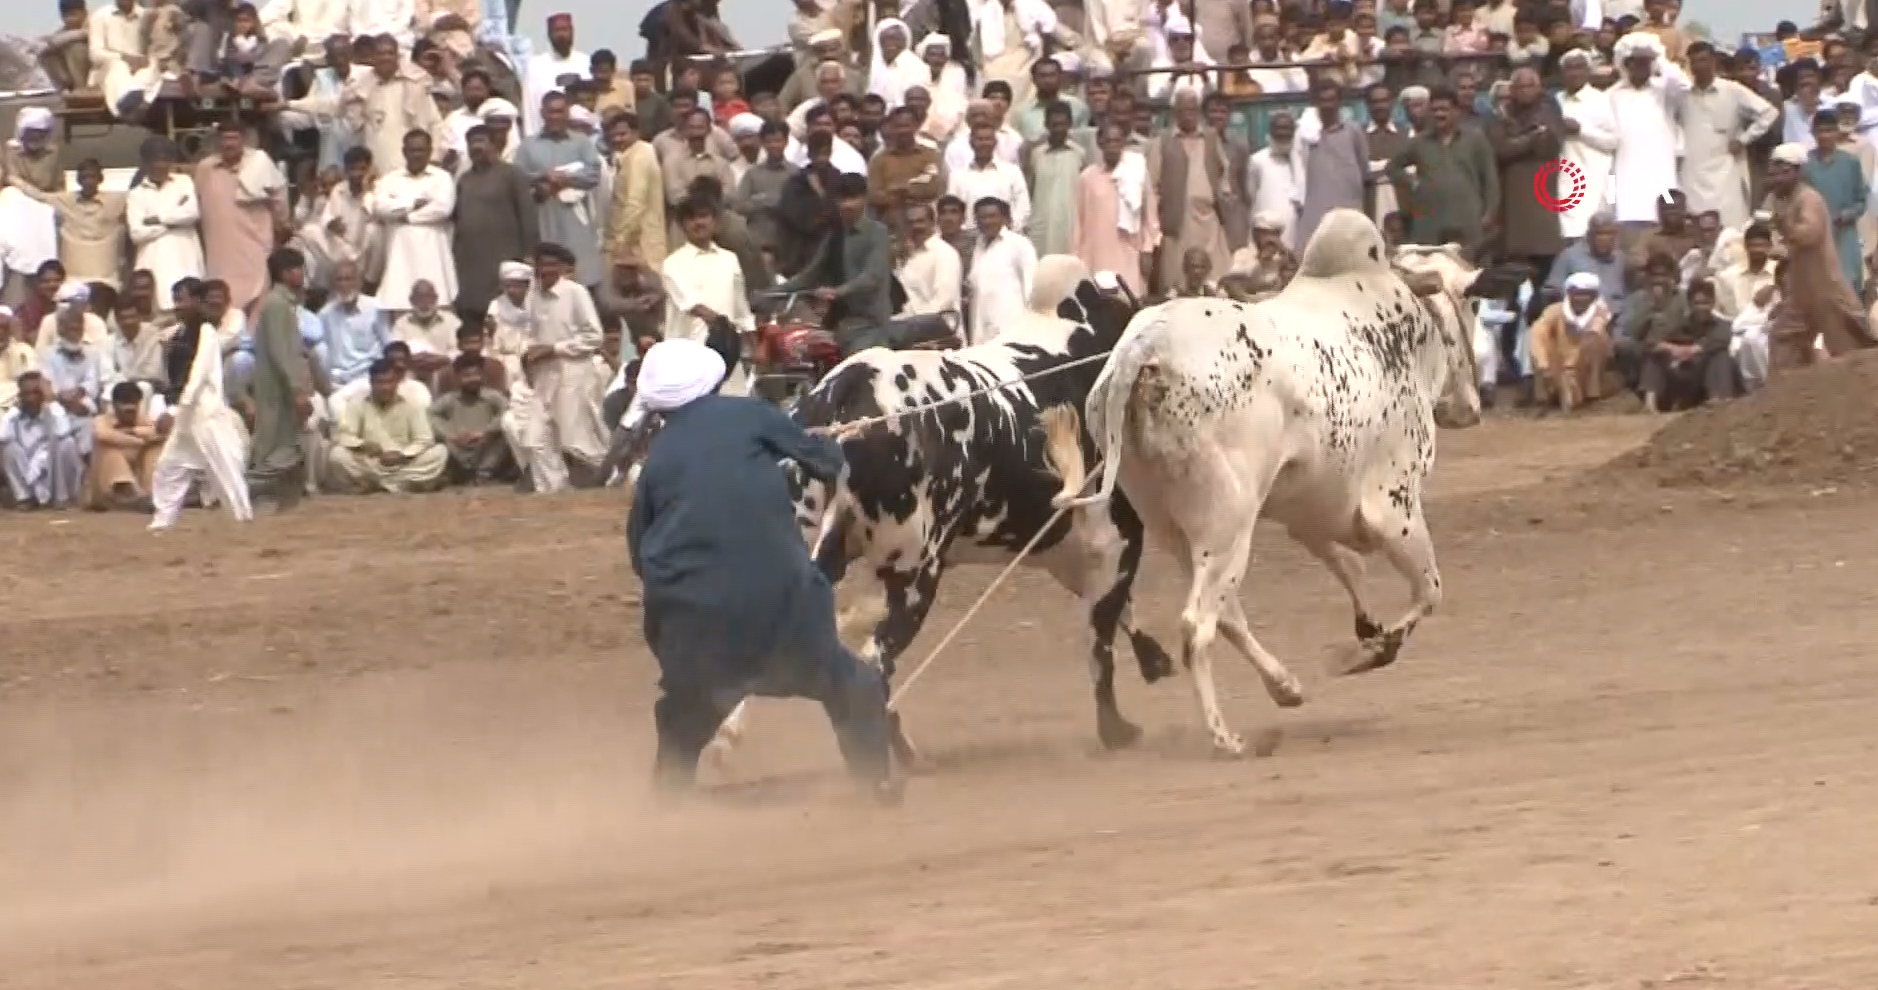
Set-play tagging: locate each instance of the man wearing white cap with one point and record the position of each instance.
(1590, 140)
(824, 46)
(746, 129)
(734, 606)
(1571, 342)
(1645, 164)
(1818, 299)
(29, 228)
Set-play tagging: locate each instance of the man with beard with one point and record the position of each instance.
(1817, 298)
(1527, 141)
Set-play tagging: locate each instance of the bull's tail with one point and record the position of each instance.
(1062, 450)
(1108, 414)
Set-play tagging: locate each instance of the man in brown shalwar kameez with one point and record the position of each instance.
(1187, 166)
(1818, 300)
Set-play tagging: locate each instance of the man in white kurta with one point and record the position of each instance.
(542, 74)
(118, 65)
(415, 205)
(1590, 140)
(397, 18)
(1644, 102)
(986, 176)
(1004, 265)
(554, 412)
(162, 215)
(207, 442)
(1720, 118)
(932, 273)
(388, 102)
(703, 282)
(1274, 177)
(306, 23)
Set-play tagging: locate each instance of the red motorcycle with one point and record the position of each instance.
(793, 351)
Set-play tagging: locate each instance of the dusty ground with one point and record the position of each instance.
(387, 744)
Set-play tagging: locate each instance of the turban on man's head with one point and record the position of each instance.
(1583, 282)
(515, 271)
(677, 372)
(74, 294)
(1792, 153)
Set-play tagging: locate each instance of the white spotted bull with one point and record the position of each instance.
(1315, 409)
(972, 482)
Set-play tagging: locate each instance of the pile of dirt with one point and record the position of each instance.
(1813, 426)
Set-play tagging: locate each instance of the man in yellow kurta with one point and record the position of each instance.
(386, 444)
(637, 220)
(91, 226)
(125, 445)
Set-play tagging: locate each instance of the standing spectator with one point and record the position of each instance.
(1336, 163)
(39, 448)
(636, 220)
(931, 272)
(612, 90)
(563, 167)
(1004, 265)
(477, 91)
(1456, 181)
(1187, 167)
(905, 172)
(1384, 139)
(1643, 102)
(1216, 110)
(545, 70)
(1274, 177)
(161, 212)
(1008, 36)
(91, 226)
(1720, 118)
(702, 281)
(28, 227)
(347, 228)
(1047, 76)
(392, 99)
(1836, 176)
(988, 177)
(1590, 132)
(496, 221)
(415, 205)
(760, 193)
(206, 439)
(1817, 299)
(243, 197)
(689, 161)
(1055, 170)
(562, 336)
(1526, 141)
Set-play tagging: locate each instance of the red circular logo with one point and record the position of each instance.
(1571, 185)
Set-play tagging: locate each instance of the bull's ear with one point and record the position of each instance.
(1078, 305)
(1422, 283)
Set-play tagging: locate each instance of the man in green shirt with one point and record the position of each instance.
(1455, 190)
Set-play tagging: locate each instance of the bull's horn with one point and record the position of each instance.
(1062, 449)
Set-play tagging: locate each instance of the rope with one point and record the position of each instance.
(893, 700)
(855, 427)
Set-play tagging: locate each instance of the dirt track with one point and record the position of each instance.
(408, 748)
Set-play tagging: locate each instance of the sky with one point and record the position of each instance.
(759, 23)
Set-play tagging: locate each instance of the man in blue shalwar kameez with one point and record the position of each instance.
(734, 606)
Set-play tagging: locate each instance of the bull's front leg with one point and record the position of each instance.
(910, 593)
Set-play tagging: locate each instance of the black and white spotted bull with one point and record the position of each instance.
(1316, 409)
(971, 482)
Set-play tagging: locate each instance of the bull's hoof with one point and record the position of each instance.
(1366, 656)
(1155, 662)
(1286, 693)
(1228, 746)
(1117, 732)
(1366, 628)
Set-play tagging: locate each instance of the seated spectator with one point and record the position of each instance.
(398, 355)
(1687, 362)
(357, 330)
(125, 445)
(1196, 273)
(75, 370)
(469, 420)
(136, 349)
(16, 358)
(429, 330)
(385, 443)
(1739, 287)
(73, 308)
(1653, 309)
(1674, 234)
(39, 448)
(249, 62)
(66, 53)
(1594, 254)
(1570, 344)
(1749, 348)
(472, 339)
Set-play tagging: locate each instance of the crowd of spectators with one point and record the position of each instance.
(443, 257)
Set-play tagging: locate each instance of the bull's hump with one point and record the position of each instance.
(1345, 244)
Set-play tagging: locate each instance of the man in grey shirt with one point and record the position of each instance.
(852, 271)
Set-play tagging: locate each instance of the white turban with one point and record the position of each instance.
(515, 271)
(1583, 282)
(826, 36)
(1099, 65)
(1268, 220)
(1415, 94)
(1107, 281)
(1576, 55)
(1634, 44)
(1791, 153)
(1068, 62)
(746, 125)
(496, 108)
(34, 119)
(942, 42)
(677, 372)
(73, 293)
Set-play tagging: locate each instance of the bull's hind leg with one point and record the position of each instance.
(1096, 578)
(1213, 605)
(1395, 524)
